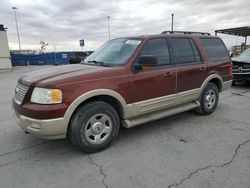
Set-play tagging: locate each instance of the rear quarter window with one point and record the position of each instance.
(216, 49)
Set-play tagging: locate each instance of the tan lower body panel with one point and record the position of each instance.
(156, 104)
(128, 123)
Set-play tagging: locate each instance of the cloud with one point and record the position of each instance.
(65, 22)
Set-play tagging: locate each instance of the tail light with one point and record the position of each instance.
(230, 67)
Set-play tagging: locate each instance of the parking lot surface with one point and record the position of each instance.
(185, 150)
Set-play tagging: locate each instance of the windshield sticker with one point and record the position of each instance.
(133, 42)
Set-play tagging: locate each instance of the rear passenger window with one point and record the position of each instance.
(185, 51)
(216, 50)
(158, 48)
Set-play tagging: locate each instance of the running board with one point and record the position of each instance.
(128, 123)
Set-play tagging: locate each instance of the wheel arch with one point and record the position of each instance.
(214, 78)
(217, 82)
(105, 95)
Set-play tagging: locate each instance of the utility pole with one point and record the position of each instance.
(108, 26)
(14, 10)
(172, 24)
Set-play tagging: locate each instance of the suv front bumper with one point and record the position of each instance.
(241, 76)
(43, 128)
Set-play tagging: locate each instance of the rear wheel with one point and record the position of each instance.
(94, 126)
(209, 99)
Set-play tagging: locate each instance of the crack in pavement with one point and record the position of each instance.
(236, 129)
(28, 147)
(234, 120)
(210, 166)
(232, 94)
(101, 171)
(240, 94)
(29, 156)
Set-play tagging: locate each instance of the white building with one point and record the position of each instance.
(5, 62)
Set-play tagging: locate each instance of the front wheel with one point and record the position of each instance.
(94, 126)
(209, 99)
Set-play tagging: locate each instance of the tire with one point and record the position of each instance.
(94, 126)
(208, 99)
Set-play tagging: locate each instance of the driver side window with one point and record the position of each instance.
(159, 49)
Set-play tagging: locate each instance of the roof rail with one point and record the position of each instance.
(185, 32)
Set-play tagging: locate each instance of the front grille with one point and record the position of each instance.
(20, 92)
(241, 67)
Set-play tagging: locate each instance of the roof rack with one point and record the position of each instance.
(185, 32)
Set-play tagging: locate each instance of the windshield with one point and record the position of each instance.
(114, 52)
(245, 55)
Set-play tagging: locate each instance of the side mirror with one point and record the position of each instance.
(146, 61)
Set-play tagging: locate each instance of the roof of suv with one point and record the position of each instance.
(176, 34)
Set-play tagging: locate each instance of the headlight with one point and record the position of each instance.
(46, 96)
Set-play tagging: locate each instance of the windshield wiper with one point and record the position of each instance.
(98, 62)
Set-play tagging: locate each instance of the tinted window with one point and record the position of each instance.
(185, 51)
(216, 50)
(158, 48)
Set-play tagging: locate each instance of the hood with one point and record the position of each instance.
(57, 73)
(241, 59)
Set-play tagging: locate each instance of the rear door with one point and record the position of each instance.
(191, 69)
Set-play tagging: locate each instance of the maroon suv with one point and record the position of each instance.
(126, 82)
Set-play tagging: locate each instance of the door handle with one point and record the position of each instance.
(203, 68)
(168, 74)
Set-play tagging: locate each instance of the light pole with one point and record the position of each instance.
(172, 23)
(14, 10)
(108, 26)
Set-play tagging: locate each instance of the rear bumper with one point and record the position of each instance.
(48, 129)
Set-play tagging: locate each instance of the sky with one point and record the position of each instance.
(62, 23)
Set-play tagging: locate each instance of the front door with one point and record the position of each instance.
(153, 87)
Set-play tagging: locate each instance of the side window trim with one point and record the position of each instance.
(193, 44)
(171, 52)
